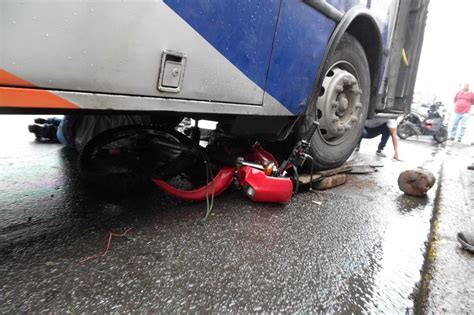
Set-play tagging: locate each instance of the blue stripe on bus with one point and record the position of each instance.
(300, 42)
(242, 31)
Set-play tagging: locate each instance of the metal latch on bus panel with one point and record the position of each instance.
(171, 71)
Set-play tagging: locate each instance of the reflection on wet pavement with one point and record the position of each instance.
(406, 203)
(449, 278)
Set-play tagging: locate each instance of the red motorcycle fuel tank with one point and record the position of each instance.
(262, 188)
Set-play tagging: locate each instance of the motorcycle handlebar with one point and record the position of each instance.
(312, 129)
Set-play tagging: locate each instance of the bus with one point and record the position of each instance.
(263, 69)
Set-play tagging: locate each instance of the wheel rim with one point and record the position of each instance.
(339, 104)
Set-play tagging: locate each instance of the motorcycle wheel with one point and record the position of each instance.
(404, 131)
(122, 160)
(441, 136)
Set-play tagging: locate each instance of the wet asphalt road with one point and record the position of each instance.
(450, 272)
(362, 249)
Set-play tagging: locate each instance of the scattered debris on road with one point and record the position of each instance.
(305, 179)
(112, 235)
(339, 170)
(331, 182)
(376, 164)
(362, 169)
(416, 182)
(323, 180)
(360, 166)
(109, 244)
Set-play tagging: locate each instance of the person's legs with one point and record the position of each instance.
(41, 121)
(385, 136)
(370, 133)
(48, 131)
(64, 131)
(364, 135)
(54, 121)
(60, 133)
(456, 119)
(463, 124)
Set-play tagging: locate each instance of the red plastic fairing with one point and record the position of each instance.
(265, 188)
(222, 181)
(260, 156)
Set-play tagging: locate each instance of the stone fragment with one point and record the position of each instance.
(416, 182)
(376, 164)
(362, 169)
(305, 179)
(330, 182)
(339, 170)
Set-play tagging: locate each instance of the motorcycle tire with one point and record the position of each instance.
(441, 136)
(111, 173)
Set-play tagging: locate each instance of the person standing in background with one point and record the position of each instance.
(463, 101)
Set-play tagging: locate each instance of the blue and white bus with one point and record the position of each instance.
(267, 68)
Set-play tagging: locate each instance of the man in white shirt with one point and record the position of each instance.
(385, 127)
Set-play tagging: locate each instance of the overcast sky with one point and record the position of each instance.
(447, 57)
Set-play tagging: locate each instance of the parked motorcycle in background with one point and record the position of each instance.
(430, 123)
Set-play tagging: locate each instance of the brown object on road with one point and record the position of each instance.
(362, 169)
(339, 170)
(305, 178)
(330, 182)
(416, 182)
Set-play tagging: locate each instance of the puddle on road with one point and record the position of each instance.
(407, 204)
(390, 281)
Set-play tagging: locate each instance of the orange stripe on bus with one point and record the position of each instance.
(31, 98)
(27, 98)
(6, 78)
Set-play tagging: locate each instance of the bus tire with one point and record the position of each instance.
(342, 106)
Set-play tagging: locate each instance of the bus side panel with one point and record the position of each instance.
(115, 47)
(300, 42)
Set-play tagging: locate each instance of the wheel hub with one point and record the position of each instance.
(339, 106)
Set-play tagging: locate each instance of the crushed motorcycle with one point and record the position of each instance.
(127, 158)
